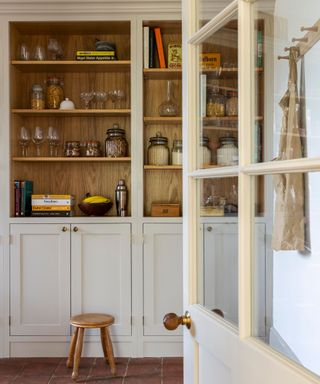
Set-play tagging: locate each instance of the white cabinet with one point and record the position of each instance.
(162, 267)
(48, 261)
(220, 265)
(101, 272)
(39, 279)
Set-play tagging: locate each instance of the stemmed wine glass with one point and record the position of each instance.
(101, 97)
(86, 97)
(120, 95)
(54, 141)
(24, 141)
(38, 139)
(113, 96)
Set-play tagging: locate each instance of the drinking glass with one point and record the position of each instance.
(38, 139)
(39, 53)
(24, 141)
(86, 97)
(113, 96)
(120, 95)
(23, 52)
(101, 97)
(53, 140)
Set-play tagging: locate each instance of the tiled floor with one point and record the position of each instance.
(167, 370)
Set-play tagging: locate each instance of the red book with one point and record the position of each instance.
(162, 60)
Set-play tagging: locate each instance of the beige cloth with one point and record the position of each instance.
(288, 228)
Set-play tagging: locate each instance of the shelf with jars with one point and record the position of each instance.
(162, 120)
(54, 88)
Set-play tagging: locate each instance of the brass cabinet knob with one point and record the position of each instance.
(75, 229)
(171, 321)
(64, 229)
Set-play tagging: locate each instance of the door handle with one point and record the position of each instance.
(64, 229)
(171, 321)
(75, 229)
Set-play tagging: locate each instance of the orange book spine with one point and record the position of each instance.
(160, 50)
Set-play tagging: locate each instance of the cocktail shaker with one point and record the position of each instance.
(121, 198)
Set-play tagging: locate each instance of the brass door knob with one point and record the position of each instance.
(64, 229)
(171, 321)
(75, 229)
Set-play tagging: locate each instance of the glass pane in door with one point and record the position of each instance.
(218, 97)
(286, 267)
(287, 77)
(218, 246)
(209, 9)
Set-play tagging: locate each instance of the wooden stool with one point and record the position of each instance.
(90, 320)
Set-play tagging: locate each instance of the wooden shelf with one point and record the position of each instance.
(162, 73)
(72, 66)
(73, 159)
(225, 118)
(73, 112)
(162, 120)
(162, 167)
(226, 73)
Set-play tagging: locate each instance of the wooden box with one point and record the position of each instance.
(165, 210)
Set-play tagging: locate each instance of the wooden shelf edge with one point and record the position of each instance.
(70, 62)
(162, 167)
(73, 159)
(162, 73)
(72, 112)
(162, 120)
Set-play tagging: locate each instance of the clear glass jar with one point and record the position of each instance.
(205, 151)
(169, 107)
(216, 105)
(54, 92)
(158, 151)
(227, 153)
(72, 149)
(37, 97)
(116, 144)
(176, 155)
(232, 104)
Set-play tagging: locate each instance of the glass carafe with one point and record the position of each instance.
(169, 107)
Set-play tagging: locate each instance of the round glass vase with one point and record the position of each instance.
(169, 108)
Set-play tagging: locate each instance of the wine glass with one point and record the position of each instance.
(101, 97)
(113, 96)
(53, 140)
(86, 97)
(24, 140)
(120, 95)
(38, 139)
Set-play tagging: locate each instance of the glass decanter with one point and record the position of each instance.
(169, 107)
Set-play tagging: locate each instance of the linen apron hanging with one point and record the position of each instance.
(288, 228)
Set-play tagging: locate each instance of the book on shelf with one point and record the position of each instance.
(162, 61)
(17, 197)
(53, 213)
(26, 187)
(174, 56)
(152, 48)
(145, 47)
(49, 208)
(96, 58)
(95, 53)
(51, 196)
(52, 200)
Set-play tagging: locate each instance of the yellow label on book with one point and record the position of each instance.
(52, 208)
(174, 56)
(95, 53)
(210, 60)
(49, 196)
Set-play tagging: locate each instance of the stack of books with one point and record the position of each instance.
(52, 205)
(96, 55)
(152, 45)
(22, 197)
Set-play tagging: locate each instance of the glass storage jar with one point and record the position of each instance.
(37, 97)
(116, 144)
(176, 155)
(54, 92)
(158, 151)
(216, 105)
(72, 149)
(205, 151)
(227, 153)
(232, 104)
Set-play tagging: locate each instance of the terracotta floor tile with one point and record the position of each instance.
(145, 360)
(172, 380)
(173, 370)
(104, 379)
(142, 380)
(67, 380)
(172, 360)
(39, 368)
(4, 379)
(140, 369)
(31, 380)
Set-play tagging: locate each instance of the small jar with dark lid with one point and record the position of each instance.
(116, 144)
(158, 151)
(227, 153)
(205, 151)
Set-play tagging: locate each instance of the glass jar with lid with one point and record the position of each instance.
(176, 155)
(232, 104)
(227, 153)
(216, 104)
(37, 97)
(116, 144)
(158, 151)
(205, 151)
(54, 92)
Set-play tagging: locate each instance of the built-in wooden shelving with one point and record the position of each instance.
(72, 112)
(73, 159)
(163, 167)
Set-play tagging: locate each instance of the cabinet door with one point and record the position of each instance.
(220, 267)
(39, 279)
(101, 272)
(162, 271)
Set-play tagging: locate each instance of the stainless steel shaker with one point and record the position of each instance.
(121, 198)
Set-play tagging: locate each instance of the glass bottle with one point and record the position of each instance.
(54, 92)
(37, 97)
(169, 107)
(227, 153)
(158, 151)
(205, 151)
(116, 144)
(232, 105)
(176, 155)
(216, 105)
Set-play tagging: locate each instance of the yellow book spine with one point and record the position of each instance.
(48, 208)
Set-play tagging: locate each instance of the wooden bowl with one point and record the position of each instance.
(95, 209)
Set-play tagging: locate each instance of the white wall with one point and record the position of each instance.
(296, 280)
